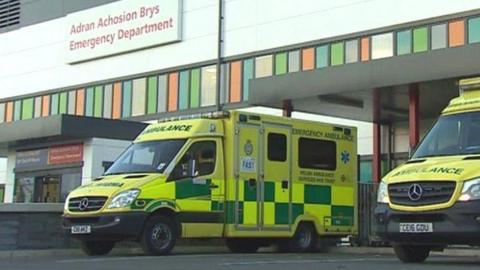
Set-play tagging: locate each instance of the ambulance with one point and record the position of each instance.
(433, 200)
(253, 180)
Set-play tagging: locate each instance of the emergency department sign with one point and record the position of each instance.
(121, 27)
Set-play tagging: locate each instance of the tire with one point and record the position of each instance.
(97, 248)
(304, 239)
(240, 245)
(411, 254)
(159, 235)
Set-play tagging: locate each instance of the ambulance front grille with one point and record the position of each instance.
(86, 204)
(431, 192)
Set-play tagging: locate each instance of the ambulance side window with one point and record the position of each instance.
(317, 154)
(277, 147)
(203, 154)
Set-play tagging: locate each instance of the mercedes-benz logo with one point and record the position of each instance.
(415, 192)
(83, 204)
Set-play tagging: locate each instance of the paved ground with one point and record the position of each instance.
(219, 259)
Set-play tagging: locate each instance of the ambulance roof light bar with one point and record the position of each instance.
(208, 115)
(470, 84)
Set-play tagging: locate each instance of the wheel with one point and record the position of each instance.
(304, 238)
(97, 248)
(411, 254)
(240, 245)
(159, 236)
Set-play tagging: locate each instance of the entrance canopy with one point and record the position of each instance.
(347, 90)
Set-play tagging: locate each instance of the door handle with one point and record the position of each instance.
(212, 186)
(285, 184)
(252, 182)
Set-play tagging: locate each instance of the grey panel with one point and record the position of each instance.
(71, 102)
(294, 61)
(162, 93)
(38, 107)
(2, 112)
(107, 101)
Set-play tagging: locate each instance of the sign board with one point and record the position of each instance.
(120, 27)
(65, 154)
(31, 158)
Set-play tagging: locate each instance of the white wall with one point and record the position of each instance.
(10, 176)
(3, 170)
(32, 57)
(98, 150)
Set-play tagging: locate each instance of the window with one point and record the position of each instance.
(208, 86)
(277, 147)
(202, 157)
(247, 75)
(263, 66)
(439, 36)
(317, 154)
(382, 46)
(420, 39)
(337, 54)
(293, 61)
(474, 30)
(351, 51)
(404, 42)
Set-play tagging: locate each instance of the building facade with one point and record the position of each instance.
(141, 60)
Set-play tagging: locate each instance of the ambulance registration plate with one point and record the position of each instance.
(416, 227)
(80, 229)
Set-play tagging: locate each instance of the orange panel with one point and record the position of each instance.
(365, 51)
(308, 59)
(456, 33)
(172, 91)
(45, 106)
(235, 81)
(117, 100)
(9, 112)
(80, 110)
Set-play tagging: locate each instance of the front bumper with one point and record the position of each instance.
(113, 227)
(459, 224)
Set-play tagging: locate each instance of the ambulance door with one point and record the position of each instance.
(247, 172)
(276, 181)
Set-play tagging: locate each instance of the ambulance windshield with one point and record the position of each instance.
(456, 134)
(146, 157)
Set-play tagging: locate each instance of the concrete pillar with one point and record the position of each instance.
(377, 139)
(287, 108)
(413, 115)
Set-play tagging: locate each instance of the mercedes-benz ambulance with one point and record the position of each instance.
(433, 200)
(252, 179)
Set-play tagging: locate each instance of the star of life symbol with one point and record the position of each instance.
(345, 157)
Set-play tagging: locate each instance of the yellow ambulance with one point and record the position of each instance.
(252, 179)
(433, 200)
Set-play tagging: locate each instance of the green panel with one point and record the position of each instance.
(140, 204)
(62, 106)
(474, 30)
(54, 104)
(280, 63)
(247, 75)
(404, 42)
(420, 39)
(157, 204)
(281, 213)
(250, 192)
(183, 90)
(187, 189)
(366, 171)
(338, 57)
(321, 58)
(342, 215)
(89, 102)
(269, 191)
(317, 194)
(98, 109)
(297, 210)
(195, 88)
(27, 109)
(127, 99)
(2, 194)
(217, 206)
(152, 94)
(231, 212)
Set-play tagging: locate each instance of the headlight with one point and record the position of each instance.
(382, 195)
(470, 191)
(124, 199)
